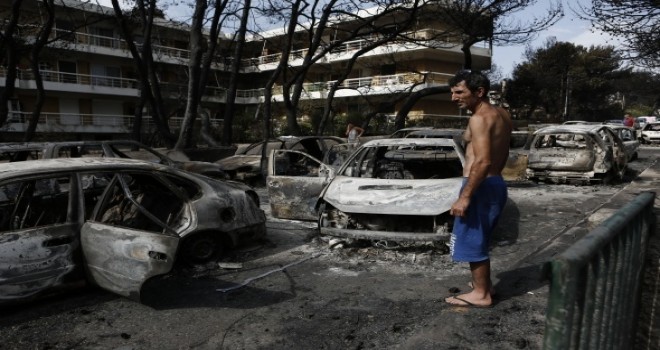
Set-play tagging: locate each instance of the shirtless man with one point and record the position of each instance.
(484, 193)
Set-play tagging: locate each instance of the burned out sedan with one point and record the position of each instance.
(387, 189)
(576, 153)
(113, 222)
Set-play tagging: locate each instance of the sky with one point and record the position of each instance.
(569, 29)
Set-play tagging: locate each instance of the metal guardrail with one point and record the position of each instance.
(595, 284)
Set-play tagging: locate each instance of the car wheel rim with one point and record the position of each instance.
(201, 249)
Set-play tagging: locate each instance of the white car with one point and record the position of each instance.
(641, 122)
(387, 189)
(650, 133)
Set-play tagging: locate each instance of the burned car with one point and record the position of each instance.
(246, 165)
(13, 152)
(112, 222)
(387, 189)
(576, 153)
(629, 138)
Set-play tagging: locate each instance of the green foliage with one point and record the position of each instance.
(562, 80)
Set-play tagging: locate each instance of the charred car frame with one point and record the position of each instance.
(114, 222)
(387, 189)
(576, 153)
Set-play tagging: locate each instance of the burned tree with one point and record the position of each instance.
(635, 22)
(468, 22)
(150, 91)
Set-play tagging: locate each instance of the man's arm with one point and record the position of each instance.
(480, 165)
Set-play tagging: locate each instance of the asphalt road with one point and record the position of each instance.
(295, 292)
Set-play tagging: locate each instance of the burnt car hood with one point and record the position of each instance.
(392, 196)
(239, 161)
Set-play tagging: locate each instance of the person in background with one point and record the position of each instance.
(353, 133)
(629, 120)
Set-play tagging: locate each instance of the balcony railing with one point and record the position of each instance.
(54, 122)
(116, 43)
(403, 80)
(435, 38)
(399, 82)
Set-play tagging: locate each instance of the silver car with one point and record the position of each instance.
(113, 222)
(387, 189)
(576, 153)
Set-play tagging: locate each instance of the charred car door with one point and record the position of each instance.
(133, 234)
(38, 237)
(295, 181)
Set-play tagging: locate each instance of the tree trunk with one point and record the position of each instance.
(228, 119)
(149, 93)
(194, 70)
(39, 44)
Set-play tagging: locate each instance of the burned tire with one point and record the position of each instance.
(202, 248)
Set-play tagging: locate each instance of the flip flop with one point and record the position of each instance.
(492, 290)
(467, 304)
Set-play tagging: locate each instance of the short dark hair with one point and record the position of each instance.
(473, 80)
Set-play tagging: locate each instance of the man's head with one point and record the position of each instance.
(473, 80)
(469, 89)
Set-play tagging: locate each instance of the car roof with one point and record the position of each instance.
(409, 141)
(27, 146)
(415, 128)
(434, 132)
(578, 122)
(571, 128)
(35, 167)
(22, 146)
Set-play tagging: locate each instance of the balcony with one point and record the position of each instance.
(372, 85)
(432, 39)
(73, 82)
(116, 46)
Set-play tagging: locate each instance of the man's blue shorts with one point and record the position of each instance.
(471, 234)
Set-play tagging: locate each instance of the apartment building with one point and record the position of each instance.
(92, 89)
